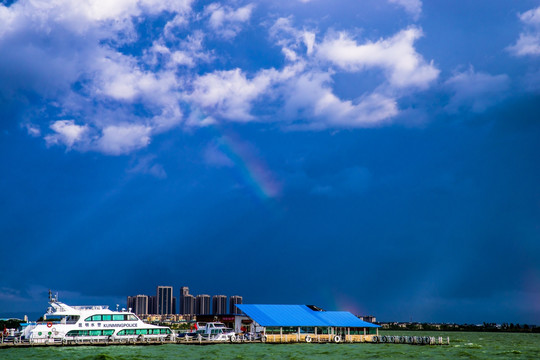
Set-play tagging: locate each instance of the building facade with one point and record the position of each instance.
(184, 291)
(202, 304)
(219, 304)
(139, 304)
(164, 299)
(233, 301)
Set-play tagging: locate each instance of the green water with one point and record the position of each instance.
(462, 346)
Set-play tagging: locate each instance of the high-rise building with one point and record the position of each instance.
(219, 304)
(152, 305)
(174, 305)
(202, 304)
(139, 304)
(130, 303)
(184, 290)
(188, 304)
(164, 297)
(235, 300)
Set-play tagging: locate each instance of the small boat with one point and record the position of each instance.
(215, 331)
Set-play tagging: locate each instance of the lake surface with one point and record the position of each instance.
(464, 345)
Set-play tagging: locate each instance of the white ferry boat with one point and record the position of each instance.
(64, 323)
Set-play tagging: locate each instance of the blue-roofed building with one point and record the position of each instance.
(306, 323)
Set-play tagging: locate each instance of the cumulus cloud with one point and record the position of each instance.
(413, 7)
(229, 94)
(310, 99)
(476, 91)
(66, 132)
(396, 56)
(72, 57)
(529, 40)
(292, 41)
(66, 52)
(123, 139)
(226, 21)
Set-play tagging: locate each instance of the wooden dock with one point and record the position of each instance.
(268, 339)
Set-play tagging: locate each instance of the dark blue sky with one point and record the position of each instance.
(375, 156)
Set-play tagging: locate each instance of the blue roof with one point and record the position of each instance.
(300, 315)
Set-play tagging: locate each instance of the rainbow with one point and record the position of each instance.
(253, 170)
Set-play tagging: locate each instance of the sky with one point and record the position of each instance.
(375, 156)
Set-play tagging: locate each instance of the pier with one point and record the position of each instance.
(268, 339)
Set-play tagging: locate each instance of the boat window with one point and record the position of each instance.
(90, 333)
(131, 317)
(118, 317)
(96, 318)
(141, 331)
(106, 317)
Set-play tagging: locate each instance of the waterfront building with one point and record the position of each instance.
(188, 304)
(164, 297)
(138, 304)
(219, 304)
(302, 322)
(202, 304)
(233, 301)
(130, 302)
(184, 290)
(368, 318)
(152, 305)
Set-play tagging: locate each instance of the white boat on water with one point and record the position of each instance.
(64, 323)
(215, 331)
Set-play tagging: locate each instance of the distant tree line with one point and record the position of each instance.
(487, 327)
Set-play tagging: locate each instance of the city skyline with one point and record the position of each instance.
(165, 303)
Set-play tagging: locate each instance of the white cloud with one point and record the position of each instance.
(531, 17)
(229, 94)
(66, 132)
(413, 7)
(476, 91)
(292, 41)
(396, 56)
(226, 21)
(310, 98)
(529, 40)
(189, 52)
(73, 56)
(123, 139)
(65, 52)
(527, 44)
